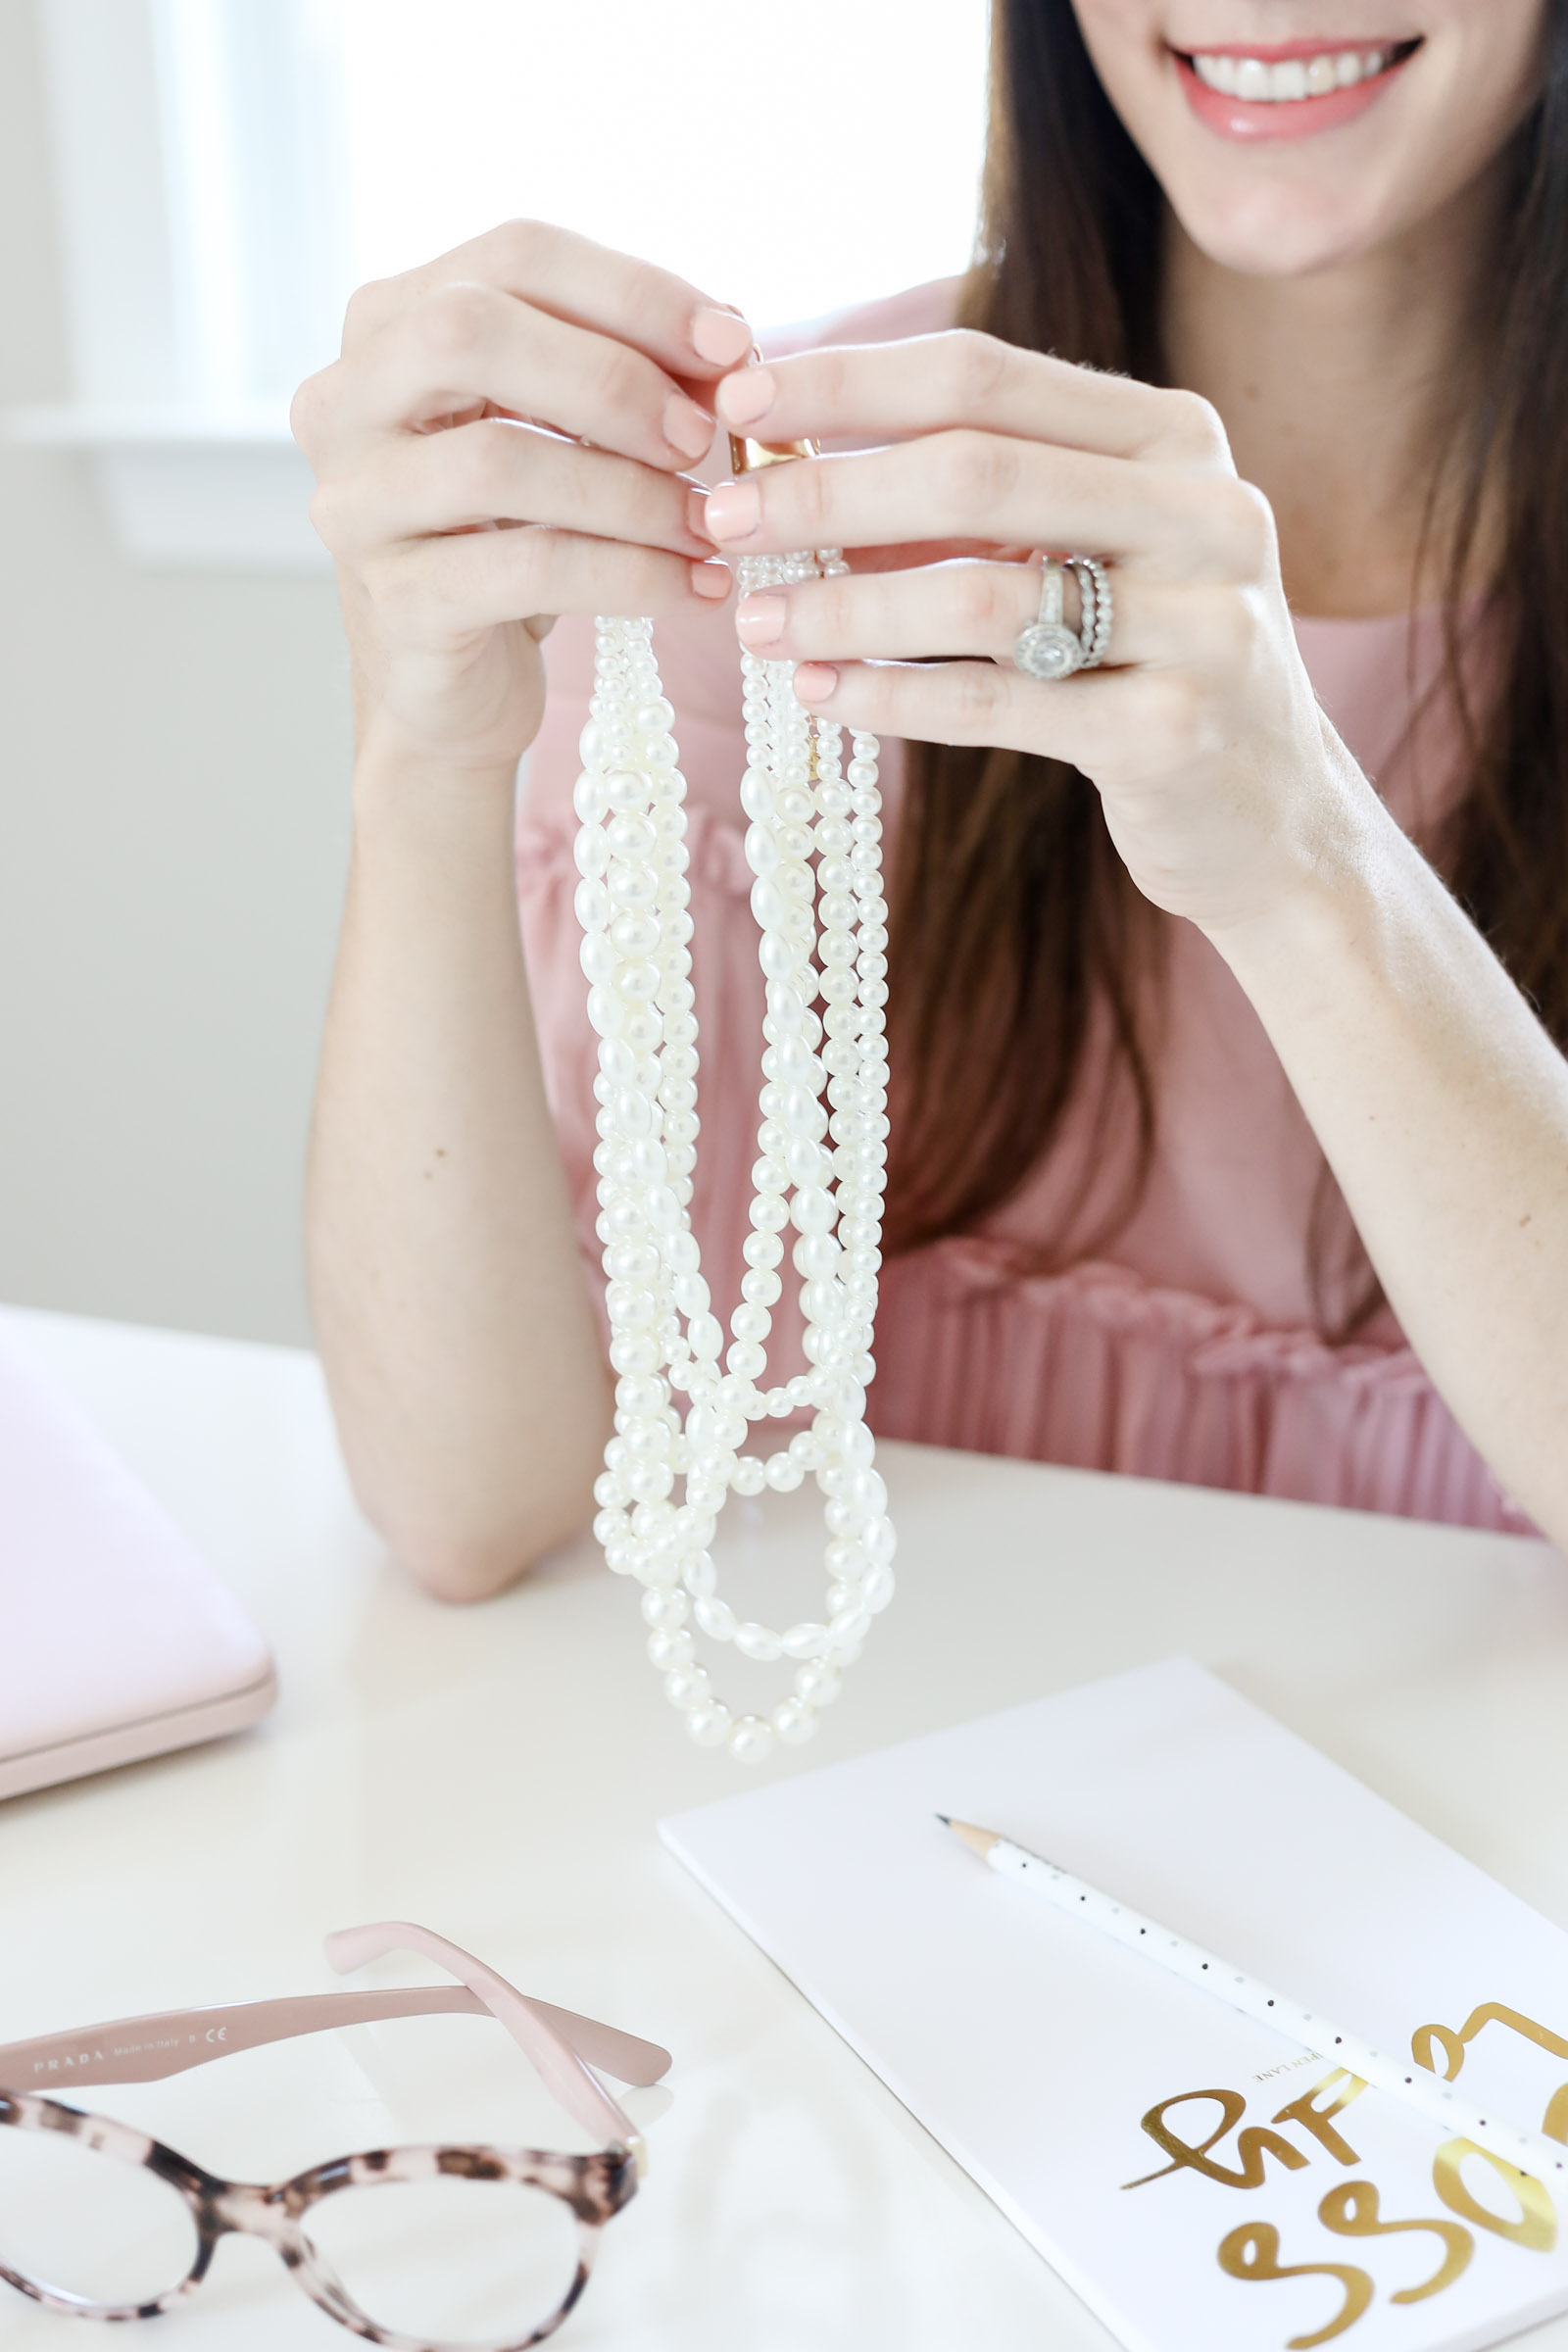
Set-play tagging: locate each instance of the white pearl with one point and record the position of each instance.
(634, 904)
(717, 1618)
(708, 1723)
(665, 1610)
(879, 1540)
(817, 1683)
(847, 1630)
(752, 1739)
(701, 1580)
(817, 1256)
(794, 1720)
(688, 1686)
(679, 1252)
(590, 795)
(704, 1336)
(878, 1588)
(812, 1210)
(598, 960)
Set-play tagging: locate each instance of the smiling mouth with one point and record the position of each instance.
(1306, 72)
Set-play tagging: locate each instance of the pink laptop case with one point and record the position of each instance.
(117, 1640)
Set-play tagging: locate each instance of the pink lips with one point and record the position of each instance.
(1288, 117)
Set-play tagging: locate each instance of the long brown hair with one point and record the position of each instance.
(1017, 934)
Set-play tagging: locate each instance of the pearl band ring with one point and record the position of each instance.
(1048, 648)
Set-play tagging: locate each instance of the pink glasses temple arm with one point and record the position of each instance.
(149, 2049)
(565, 2074)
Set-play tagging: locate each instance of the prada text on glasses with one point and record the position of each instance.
(424, 2249)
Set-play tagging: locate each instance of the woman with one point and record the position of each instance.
(1225, 1145)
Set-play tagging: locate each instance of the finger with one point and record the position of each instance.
(446, 589)
(591, 286)
(932, 384)
(965, 608)
(495, 471)
(967, 485)
(973, 702)
(467, 347)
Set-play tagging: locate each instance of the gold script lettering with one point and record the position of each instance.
(1315, 2118)
(1537, 2224)
(1251, 2146)
(1351, 2211)
(1253, 2252)
(1453, 2046)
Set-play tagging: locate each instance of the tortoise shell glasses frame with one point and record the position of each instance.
(566, 2050)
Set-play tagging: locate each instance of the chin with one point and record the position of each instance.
(1278, 232)
(1286, 143)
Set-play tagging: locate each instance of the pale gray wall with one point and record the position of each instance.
(173, 763)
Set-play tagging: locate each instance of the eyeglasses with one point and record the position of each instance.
(422, 2249)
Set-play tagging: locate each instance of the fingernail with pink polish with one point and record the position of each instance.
(814, 681)
(711, 580)
(734, 511)
(745, 397)
(686, 428)
(760, 619)
(719, 338)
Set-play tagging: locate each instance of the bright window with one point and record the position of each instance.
(227, 168)
(789, 158)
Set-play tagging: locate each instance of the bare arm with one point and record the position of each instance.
(451, 1308)
(453, 1316)
(1443, 1107)
(1440, 1103)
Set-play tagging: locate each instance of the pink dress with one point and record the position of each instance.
(1188, 1350)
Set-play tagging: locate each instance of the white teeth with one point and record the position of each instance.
(1250, 79)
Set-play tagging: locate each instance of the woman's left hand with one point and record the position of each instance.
(1223, 785)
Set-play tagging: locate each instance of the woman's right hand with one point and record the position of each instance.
(456, 492)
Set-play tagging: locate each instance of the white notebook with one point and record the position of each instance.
(1040, 2053)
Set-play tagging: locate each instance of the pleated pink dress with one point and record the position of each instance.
(1188, 1348)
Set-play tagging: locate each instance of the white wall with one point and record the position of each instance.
(173, 765)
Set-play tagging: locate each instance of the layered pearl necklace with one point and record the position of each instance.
(802, 802)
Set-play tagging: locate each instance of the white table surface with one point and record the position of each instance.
(497, 1773)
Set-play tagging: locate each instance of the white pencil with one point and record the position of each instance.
(1530, 2151)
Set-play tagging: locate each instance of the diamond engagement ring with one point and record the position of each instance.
(1048, 648)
